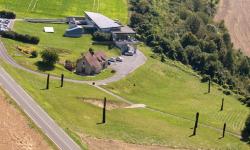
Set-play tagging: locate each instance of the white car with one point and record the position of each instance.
(120, 59)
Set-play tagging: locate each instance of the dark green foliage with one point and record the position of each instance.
(49, 57)
(246, 131)
(193, 23)
(189, 39)
(184, 30)
(7, 14)
(101, 36)
(20, 37)
(34, 54)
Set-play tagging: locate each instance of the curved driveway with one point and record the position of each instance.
(129, 64)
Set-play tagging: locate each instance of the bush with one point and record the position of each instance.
(49, 57)
(101, 36)
(20, 37)
(7, 14)
(69, 65)
(227, 92)
(34, 54)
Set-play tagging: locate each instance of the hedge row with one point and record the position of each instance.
(7, 14)
(20, 37)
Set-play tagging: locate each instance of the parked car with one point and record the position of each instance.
(128, 53)
(120, 59)
(6, 21)
(112, 59)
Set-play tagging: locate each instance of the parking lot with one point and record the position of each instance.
(5, 24)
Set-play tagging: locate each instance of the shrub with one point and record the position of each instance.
(34, 54)
(20, 37)
(101, 36)
(49, 57)
(69, 65)
(227, 92)
(7, 14)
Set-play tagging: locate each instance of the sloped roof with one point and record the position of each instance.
(102, 21)
(96, 59)
(125, 30)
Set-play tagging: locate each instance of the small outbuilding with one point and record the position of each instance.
(91, 63)
(49, 29)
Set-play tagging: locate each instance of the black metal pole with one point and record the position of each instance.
(209, 85)
(62, 78)
(224, 130)
(104, 111)
(222, 105)
(196, 123)
(47, 86)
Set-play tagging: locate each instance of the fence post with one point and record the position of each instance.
(224, 130)
(196, 123)
(104, 111)
(47, 86)
(222, 105)
(62, 79)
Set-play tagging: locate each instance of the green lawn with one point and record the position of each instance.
(68, 48)
(116, 9)
(170, 89)
(139, 126)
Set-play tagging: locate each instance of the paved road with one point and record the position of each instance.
(36, 113)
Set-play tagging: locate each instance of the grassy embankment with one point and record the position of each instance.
(142, 126)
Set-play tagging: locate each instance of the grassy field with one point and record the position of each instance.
(68, 48)
(170, 89)
(139, 126)
(116, 9)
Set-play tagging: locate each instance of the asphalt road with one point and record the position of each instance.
(36, 113)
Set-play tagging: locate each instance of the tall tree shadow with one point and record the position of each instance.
(44, 66)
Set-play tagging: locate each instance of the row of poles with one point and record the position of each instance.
(105, 104)
(196, 126)
(48, 79)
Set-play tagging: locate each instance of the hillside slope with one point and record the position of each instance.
(235, 13)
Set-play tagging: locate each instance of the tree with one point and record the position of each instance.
(189, 39)
(50, 57)
(229, 61)
(244, 67)
(193, 23)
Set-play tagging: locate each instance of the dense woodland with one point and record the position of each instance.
(184, 30)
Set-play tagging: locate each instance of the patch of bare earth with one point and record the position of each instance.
(16, 132)
(110, 105)
(235, 13)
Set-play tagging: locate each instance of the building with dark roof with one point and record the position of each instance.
(91, 63)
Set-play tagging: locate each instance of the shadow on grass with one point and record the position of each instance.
(44, 66)
(245, 133)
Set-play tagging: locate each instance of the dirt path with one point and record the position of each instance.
(237, 19)
(16, 132)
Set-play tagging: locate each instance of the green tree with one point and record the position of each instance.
(193, 23)
(50, 57)
(189, 39)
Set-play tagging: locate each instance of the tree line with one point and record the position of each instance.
(184, 30)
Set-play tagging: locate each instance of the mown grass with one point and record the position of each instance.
(178, 90)
(68, 48)
(139, 126)
(116, 9)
